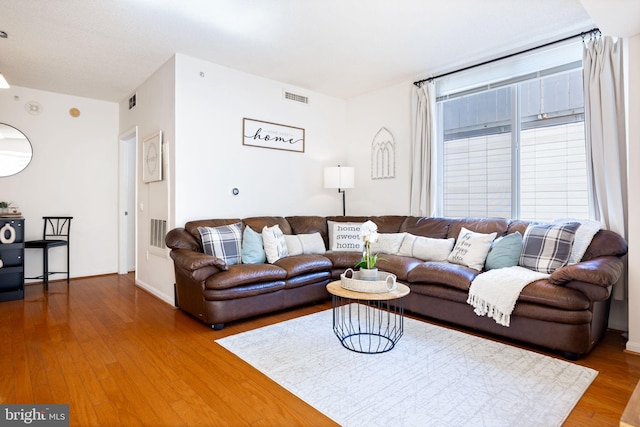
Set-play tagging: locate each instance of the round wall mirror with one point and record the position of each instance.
(15, 150)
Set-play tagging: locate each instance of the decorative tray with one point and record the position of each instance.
(350, 279)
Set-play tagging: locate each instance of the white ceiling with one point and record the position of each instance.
(105, 49)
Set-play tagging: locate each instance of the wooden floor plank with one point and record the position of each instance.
(120, 356)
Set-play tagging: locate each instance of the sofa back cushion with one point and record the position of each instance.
(389, 223)
(518, 225)
(309, 225)
(435, 228)
(259, 222)
(479, 225)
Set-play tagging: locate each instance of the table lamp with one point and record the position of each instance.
(339, 177)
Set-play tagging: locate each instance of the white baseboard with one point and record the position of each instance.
(633, 347)
(155, 292)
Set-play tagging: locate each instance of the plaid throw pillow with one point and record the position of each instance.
(547, 247)
(223, 242)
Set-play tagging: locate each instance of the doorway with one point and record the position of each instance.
(127, 201)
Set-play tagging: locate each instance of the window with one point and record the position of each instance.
(515, 148)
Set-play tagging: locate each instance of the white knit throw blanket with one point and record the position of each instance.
(494, 293)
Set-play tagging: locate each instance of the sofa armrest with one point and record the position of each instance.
(603, 271)
(197, 265)
(179, 238)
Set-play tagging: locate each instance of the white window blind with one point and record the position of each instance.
(515, 148)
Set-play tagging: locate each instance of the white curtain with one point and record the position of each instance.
(605, 135)
(423, 154)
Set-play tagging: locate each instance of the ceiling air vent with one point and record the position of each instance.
(295, 97)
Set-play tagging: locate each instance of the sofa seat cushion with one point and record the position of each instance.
(523, 309)
(303, 264)
(343, 260)
(243, 291)
(398, 265)
(540, 292)
(243, 274)
(443, 273)
(323, 277)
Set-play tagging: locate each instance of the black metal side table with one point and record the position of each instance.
(368, 323)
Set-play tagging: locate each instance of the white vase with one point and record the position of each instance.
(368, 274)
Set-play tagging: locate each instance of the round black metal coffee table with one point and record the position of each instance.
(368, 322)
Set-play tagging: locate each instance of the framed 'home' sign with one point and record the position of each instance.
(257, 133)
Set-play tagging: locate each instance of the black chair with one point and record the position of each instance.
(55, 234)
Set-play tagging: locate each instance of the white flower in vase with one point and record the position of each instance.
(369, 234)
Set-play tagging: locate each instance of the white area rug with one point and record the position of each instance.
(433, 377)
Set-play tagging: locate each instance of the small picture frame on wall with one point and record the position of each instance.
(257, 133)
(152, 158)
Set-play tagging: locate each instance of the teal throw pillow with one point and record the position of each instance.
(505, 252)
(252, 249)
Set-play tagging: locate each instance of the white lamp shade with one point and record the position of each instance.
(339, 177)
(3, 82)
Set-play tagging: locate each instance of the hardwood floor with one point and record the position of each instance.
(121, 357)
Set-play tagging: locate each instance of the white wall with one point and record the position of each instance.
(391, 108)
(199, 106)
(73, 173)
(154, 112)
(211, 160)
(634, 201)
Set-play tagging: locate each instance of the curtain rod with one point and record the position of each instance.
(582, 34)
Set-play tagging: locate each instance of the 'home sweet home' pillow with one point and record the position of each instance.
(345, 236)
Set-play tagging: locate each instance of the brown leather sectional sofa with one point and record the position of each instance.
(567, 312)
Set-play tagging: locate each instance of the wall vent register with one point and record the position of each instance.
(295, 97)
